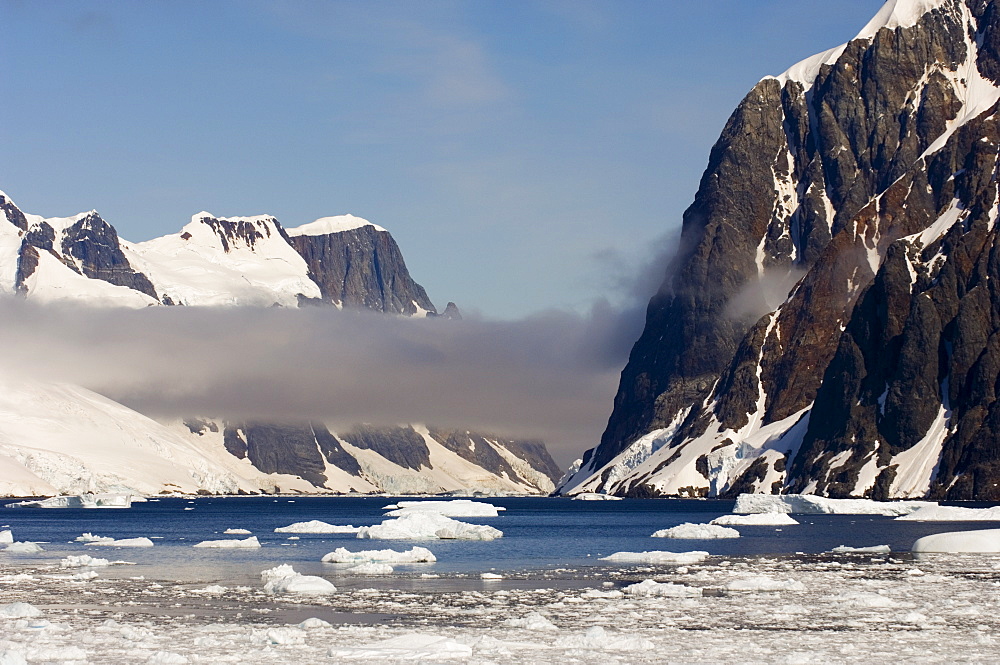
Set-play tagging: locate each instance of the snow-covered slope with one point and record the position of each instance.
(860, 186)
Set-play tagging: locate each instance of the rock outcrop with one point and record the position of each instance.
(828, 324)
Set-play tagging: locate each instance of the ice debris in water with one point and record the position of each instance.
(531, 621)
(412, 555)
(763, 583)
(657, 557)
(873, 549)
(755, 519)
(284, 579)
(981, 541)
(809, 504)
(6, 537)
(411, 646)
(649, 588)
(315, 526)
(370, 568)
(428, 526)
(692, 531)
(19, 611)
(455, 508)
(250, 543)
(122, 542)
(83, 561)
(595, 496)
(25, 547)
(237, 532)
(88, 537)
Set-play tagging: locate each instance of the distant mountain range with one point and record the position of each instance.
(58, 438)
(831, 322)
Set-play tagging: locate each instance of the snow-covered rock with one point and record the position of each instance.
(316, 526)
(284, 579)
(754, 519)
(250, 543)
(657, 557)
(985, 541)
(428, 526)
(693, 531)
(809, 504)
(412, 555)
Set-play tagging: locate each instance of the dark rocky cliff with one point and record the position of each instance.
(828, 320)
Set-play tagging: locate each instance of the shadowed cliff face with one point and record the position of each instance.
(870, 181)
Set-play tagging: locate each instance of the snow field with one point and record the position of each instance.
(815, 609)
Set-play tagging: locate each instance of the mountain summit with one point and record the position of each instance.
(831, 321)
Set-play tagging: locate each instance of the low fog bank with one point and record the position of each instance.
(552, 375)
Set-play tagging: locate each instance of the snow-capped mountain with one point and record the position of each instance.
(831, 322)
(57, 438)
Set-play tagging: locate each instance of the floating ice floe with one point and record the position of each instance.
(83, 561)
(680, 558)
(755, 519)
(985, 541)
(595, 496)
(250, 543)
(237, 532)
(91, 538)
(953, 514)
(315, 526)
(123, 542)
(809, 504)
(370, 568)
(874, 549)
(455, 508)
(428, 526)
(284, 579)
(6, 537)
(692, 531)
(19, 611)
(411, 646)
(649, 588)
(596, 637)
(762, 583)
(87, 500)
(23, 548)
(490, 576)
(412, 555)
(531, 621)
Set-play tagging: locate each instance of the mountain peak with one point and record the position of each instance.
(335, 224)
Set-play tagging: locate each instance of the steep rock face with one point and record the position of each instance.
(809, 332)
(361, 267)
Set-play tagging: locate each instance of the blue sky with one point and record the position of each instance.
(525, 155)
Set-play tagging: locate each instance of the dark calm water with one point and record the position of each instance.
(539, 534)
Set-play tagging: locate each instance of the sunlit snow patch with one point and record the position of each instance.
(315, 526)
(412, 555)
(983, 541)
(250, 543)
(656, 557)
(428, 526)
(692, 531)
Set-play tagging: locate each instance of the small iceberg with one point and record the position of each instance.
(316, 526)
(428, 526)
(284, 579)
(413, 555)
(250, 543)
(652, 588)
(86, 500)
(595, 496)
(953, 514)
(655, 557)
(984, 541)
(809, 504)
(123, 542)
(692, 531)
(456, 508)
(755, 519)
